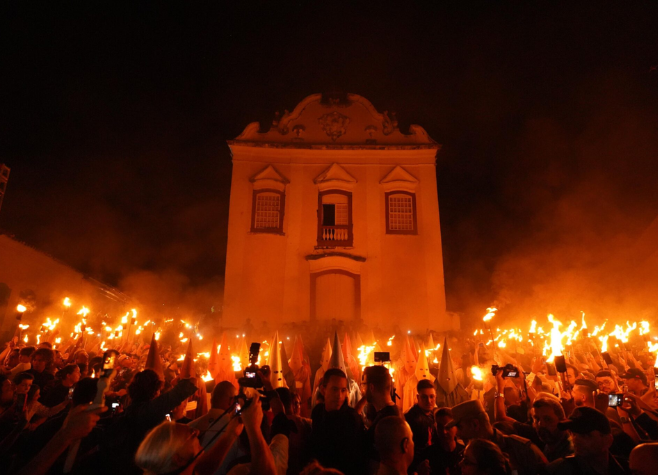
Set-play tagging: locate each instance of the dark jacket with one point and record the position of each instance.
(574, 465)
(337, 439)
(524, 456)
(123, 436)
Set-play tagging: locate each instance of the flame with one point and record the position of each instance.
(84, 311)
(556, 339)
(364, 352)
(644, 328)
(491, 312)
(21, 308)
(157, 336)
(38, 338)
(604, 343)
(59, 340)
(124, 319)
(207, 377)
(237, 364)
(23, 327)
(533, 327)
(597, 329)
(67, 302)
(390, 341)
(49, 324)
(477, 373)
(25, 339)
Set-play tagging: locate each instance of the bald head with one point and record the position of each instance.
(644, 459)
(394, 440)
(222, 395)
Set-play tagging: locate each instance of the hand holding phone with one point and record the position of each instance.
(615, 400)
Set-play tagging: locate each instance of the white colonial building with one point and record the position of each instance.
(334, 213)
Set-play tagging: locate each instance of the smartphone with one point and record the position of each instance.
(606, 357)
(560, 364)
(382, 356)
(109, 360)
(70, 396)
(238, 409)
(247, 374)
(615, 400)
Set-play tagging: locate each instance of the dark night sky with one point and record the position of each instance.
(114, 123)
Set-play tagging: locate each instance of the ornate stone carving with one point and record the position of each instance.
(298, 130)
(334, 124)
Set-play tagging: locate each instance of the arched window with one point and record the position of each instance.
(335, 218)
(401, 212)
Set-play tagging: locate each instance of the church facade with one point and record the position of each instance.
(334, 213)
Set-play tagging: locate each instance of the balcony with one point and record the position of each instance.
(335, 236)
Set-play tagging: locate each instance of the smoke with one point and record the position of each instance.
(575, 211)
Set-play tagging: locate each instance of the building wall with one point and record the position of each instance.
(268, 277)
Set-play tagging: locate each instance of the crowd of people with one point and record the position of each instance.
(477, 411)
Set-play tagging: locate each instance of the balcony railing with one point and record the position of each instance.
(334, 236)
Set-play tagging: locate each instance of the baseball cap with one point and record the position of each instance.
(584, 420)
(635, 373)
(466, 410)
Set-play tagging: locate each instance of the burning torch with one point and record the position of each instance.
(20, 310)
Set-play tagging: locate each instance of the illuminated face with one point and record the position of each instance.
(571, 376)
(74, 377)
(24, 387)
(446, 436)
(188, 450)
(39, 363)
(544, 420)
(427, 399)
(296, 404)
(635, 386)
(334, 393)
(606, 384)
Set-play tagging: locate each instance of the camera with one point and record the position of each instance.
(382, 357)
(615, 400)
(250, 377)
(509, 370)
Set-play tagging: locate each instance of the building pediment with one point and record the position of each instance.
(269, 177)
(335, 177)
(399, 179)
(335, 121)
